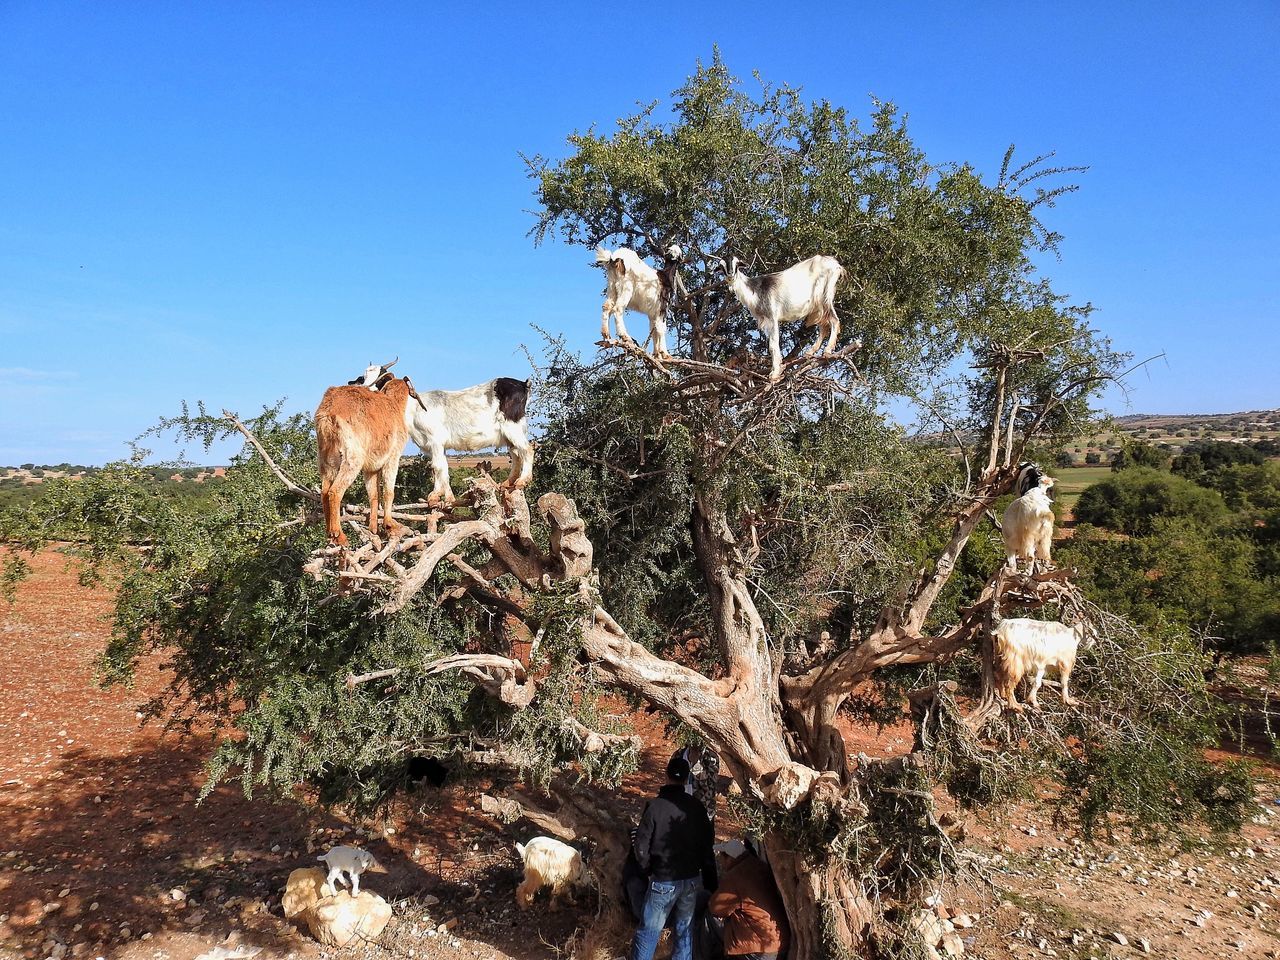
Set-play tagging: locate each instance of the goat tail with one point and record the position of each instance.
(520, 850)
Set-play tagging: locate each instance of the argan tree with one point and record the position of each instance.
(763, 563)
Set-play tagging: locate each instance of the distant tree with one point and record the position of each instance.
(1204, 457)
(1133, 500)
(1063, 459)
(1201, 576)
(1093, 459)
(1139, 454)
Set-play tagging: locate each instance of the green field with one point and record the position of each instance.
(1073, 480)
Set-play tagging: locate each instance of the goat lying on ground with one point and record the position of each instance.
(805, 291)
(549, 863)
(350, 860)
(631, 284)
(490, 414)
(1021, 646)
(1027, 526)
(362, 431)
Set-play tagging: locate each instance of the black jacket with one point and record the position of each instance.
(675, 837)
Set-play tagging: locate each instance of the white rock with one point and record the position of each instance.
(927, 926)
(1120, 938)
(336, 921)
(302, 891)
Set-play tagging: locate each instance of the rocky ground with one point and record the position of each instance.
(105, 853)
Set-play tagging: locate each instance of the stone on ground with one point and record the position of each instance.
(336, 921)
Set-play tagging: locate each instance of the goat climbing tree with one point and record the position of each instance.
(767, 564)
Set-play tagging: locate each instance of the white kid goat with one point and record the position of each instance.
(490, 414)
(805, 291)
(1027, 527)
(1022, 647)
(631, 284)
(349, 860)
(549, 863)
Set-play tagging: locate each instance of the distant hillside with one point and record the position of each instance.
(1173, 431)
(1267, 421)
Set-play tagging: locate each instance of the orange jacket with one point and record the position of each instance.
(755, 920)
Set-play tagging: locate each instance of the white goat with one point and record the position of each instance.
(490, 414)
(805, 291)
(1021, 646)
(549, 863)
(631, 284)
(1027, 527)
(351, 860)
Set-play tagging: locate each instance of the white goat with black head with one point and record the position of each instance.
(631, 284)
(488, 415)
(1027, 525)
(805, 291)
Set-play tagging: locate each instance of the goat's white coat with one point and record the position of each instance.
(1021, 646)
(631, 284)
(804, 291)
(1027, 526)
(466, 420)
(350, 860)
(548, 862)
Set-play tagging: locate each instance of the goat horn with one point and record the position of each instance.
(388, 366)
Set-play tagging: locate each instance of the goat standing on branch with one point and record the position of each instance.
(1021, 646)
(362, 431)
(631, 284)
(1027, 527)
(805, 291)
(490, 414)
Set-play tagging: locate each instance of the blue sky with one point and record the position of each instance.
(239, 202)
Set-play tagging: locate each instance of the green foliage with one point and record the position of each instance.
(1203, 555)
(262, 650)
(1134, 500)
(1207, 456)
(1139, 454)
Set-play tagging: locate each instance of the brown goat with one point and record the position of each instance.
(361, 431)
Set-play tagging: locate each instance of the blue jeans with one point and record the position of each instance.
(663, 895)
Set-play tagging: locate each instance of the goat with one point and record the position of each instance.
(549, 863)
(362, 431)
(805, 291)
(490, 414)
(1027, 526)
(631, 284)
(1020, 646)
(351, 860)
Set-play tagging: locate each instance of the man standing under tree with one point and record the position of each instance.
(674, 848)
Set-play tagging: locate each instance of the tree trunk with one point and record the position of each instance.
(825, 905)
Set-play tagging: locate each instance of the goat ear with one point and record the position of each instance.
(620, 266)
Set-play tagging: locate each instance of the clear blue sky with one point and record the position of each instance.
(239, 202)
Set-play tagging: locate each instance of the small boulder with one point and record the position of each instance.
(336, 921)
(302, 891)
(927, 926)
(952, 945)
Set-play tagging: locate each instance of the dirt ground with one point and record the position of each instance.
(105, 853)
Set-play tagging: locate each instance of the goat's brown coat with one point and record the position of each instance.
(361, 431)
